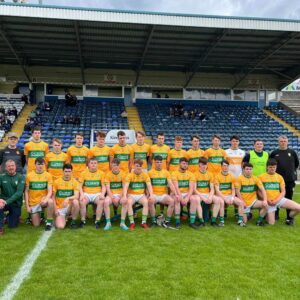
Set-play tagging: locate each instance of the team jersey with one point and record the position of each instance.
(115, 181)
(162, 151)
(92, 182)
(141, 152)
(159, 181)
(203, 181)
(63, 189)
(33, 150)
(215, 157)
(78, 157)
(273, 185)
(174, 157)
(193, 157)
(235, 159)
(102, 156)
(248, 187)
(137, 183)
(183, 179)
(55, 163)
(123, 153)
(225, 183)
(37, 183)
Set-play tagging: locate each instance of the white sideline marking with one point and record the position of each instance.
(15, 283)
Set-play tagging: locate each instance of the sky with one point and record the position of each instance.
(247, 8)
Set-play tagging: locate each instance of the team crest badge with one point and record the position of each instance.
(289, 154)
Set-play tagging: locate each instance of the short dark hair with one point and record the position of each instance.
(120, 133)
(140, 133)
(234, 137)
(183, 159)
(272, 162)
(158, 157)
(68, 167)
(79, 133)
(36, 128)
(216, 136)
(100, 134)
(138, 162)
(258, 140)
(225, 162)
(115, 161)
(195, 137)
(93, 159)
(160, 133)
(247, 165)
(39, 161)
(203, 160)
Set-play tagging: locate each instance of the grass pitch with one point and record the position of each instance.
(212, 263)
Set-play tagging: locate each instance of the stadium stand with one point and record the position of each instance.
(291, 100)
(249, 123)
(287, 116)
(90, 112)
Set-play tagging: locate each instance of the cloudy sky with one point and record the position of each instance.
(255, 8)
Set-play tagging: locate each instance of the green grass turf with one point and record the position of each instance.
(214, 263)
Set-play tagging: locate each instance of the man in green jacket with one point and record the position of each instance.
(12, 187)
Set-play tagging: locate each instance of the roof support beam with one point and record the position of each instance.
(205, 54)
(141, 63)
(278, 44)
(14, 52)
(78, 39)
(277, 72)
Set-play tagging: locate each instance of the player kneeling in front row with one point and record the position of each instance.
(92, 191)
(204, 192)
(225, 190)
(114, 181)
(38, 194)
(160, 180)
(246, 190)
(134, 190)
(184, 182)
(66, 195)
(275, 189)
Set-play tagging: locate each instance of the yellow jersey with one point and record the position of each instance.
(123, 153)
(215, 157)
(162, 151)
(33, 150)
(55, 163)
(38, 184)
(63, 189)
(92, 182)
(137, 183)
(159, 181)
(78, 157)
(193, 157)
(174, 157)
(248, 188)
(273, 185)
(203, 181)
(115, 181)
(141, 152)
(225, 183)
(184, 179)
(102, 156)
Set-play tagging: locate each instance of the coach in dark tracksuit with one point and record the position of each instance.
(12, 187)
(287, 165)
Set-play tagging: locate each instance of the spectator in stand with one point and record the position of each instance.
(77, 120)
(6, 124)
(2, 110)
(47, 106)
(24, 99)
(158, 95)
(202, 116)
(124, 114)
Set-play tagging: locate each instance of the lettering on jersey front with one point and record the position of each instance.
(122, 157)
(102, 158)
(137, 185)
(78, 159)
(64, 193)
(202, 184)
(175, 161)
(92, 183)
(248, 188)
(116, 185)
(36, 153)
(140, 155)
(272, 186)
(183, 183)
(194, 161)
(56, 164)
(159, 181)
(40, 185)
(163, 155)
(215, 159)
(225, 186)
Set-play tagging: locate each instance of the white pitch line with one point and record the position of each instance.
(15, 283)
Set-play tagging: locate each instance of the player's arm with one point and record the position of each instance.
(217, 190)
(74, 197)
(172, 187)
(150, 190)
(111, 157)
(49, 192)
(191, 189)
(211, 190)
(81, 193)
(27, 198)
(108, 190)
(238, 191)
(103, 190)
(125, 190)
(169, 157)
(263, 193)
